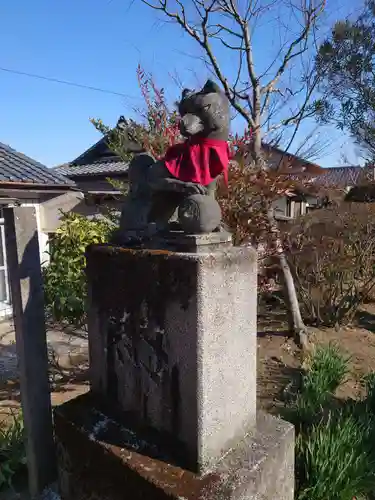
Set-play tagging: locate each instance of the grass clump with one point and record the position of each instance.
(335, 456)
(12, 450)
(327, 369)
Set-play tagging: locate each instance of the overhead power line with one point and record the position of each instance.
(64, 82)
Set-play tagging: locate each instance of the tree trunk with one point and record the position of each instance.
(295, 321)
(257, 132)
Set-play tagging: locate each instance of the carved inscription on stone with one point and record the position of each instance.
(138, 339)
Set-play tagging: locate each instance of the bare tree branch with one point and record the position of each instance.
(258, 103)
(311, 15)
(314, 146)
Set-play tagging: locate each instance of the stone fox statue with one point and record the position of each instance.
(185, 178)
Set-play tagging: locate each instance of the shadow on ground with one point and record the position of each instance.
(71, 331)
(275, 383)
(62, 381)
(366, 320)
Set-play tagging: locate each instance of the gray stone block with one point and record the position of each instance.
(178, 241)
(173, 340)
(262, 466)
(100, 458)
(199, 214)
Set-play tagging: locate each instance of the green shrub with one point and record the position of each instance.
(12, 450)
(64, 278)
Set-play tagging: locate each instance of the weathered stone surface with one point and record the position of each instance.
(178, 241)
(102, 459)
(173, 340)
(199, 214)
(156, 191)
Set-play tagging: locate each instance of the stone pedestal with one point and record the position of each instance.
(172, 410)
(172, 340)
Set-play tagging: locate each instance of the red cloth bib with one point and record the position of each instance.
(198, 160)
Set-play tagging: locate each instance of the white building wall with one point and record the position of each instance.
(42, 236)
(6, 310)
(5, 305)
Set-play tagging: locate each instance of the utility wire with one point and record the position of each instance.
(64, 82)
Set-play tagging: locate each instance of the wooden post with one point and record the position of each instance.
(26, 284)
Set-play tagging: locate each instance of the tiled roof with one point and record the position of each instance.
(17, 168)
(340, 176)
(97, 168)
(290, 163)
(347, 178)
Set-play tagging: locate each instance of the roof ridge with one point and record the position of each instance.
(107, 167)
(102, 139)
(108, 159)
(342, 167)
(18, 167)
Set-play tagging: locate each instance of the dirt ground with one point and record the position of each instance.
(10, 398)
(280, 360)
(68, 365)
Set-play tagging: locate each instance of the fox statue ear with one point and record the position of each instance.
(211, 87)
(185, 93)
(121, 122)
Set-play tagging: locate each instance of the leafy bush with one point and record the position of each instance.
(331, 253)
(64, 279)
(12, 450)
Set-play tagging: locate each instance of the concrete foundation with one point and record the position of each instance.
(101, 459)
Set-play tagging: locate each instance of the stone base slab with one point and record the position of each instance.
(173, 240)
(180, 242)
(101, 459)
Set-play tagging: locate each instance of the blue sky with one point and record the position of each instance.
(96, 43)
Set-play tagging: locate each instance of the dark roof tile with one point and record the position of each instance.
(19, 168)
(96, 168)
(341, 176)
